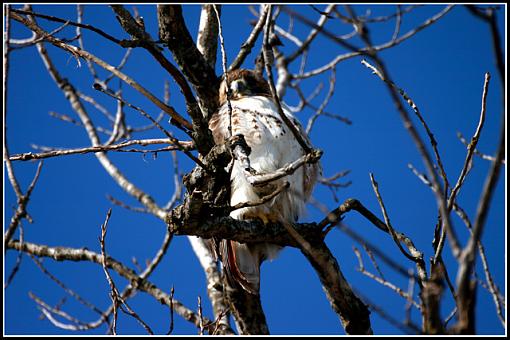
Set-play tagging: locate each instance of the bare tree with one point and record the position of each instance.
(199, 207)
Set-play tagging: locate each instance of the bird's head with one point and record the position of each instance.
(243, 83)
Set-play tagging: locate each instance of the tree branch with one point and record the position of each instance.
(75, 51)
(75, 254)
(174, 33)
(99, 148)
(207, 39)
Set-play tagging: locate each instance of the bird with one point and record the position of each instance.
(247, 107)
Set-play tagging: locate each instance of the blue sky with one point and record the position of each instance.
(441, 68)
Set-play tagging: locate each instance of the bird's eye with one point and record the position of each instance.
(238, 86)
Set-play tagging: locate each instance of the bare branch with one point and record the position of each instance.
(267, 52)
(384, 282)
(137, 31)
(207, 40)
(252, 38)
(146, 115)
(420, 145)
(476, 151)
(224, 66)
(391, 231)
(68, 22)
(353, 313)
(74, 254)
(466, 289)
(114, 293)
(352, 204)
(377, 48)
(79, 14)
(10, 171)
(320, 110)
(406, 328)
(187, 145)
(192, 63)
(64, 287)
(467, 162)
(312, 35)
(86, 55)
(287, 169)
(112, 170)
(19, 258)
(131, 289)
(21, 210)
(48, 312)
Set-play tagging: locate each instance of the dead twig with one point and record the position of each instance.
(117, 300)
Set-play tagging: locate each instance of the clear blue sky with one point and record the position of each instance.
(442, 68)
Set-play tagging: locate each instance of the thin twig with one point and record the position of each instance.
(10, 171)
(146, 115)
(19, 258)
(225, 73)
(476, 151)
(362, 51)
(171, 329)
(21, 210)
(410, 293)
(382, 281)
(319, 27)
(352, 204)
(65, 288)
(97, 106)
(466, 290)
(48, 312)
(406, 328)
(79, 14)
(374, 262)
(125, 206)
(420, 145)
(320, 110)
(467, 162)
(391, 231)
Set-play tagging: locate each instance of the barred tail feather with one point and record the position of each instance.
(241, 266)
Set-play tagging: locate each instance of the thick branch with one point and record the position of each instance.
(181, 222)
(174, 33)
(201, 132)
(207, 40)
(353, 313)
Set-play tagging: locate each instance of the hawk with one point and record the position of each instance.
(255, 115)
